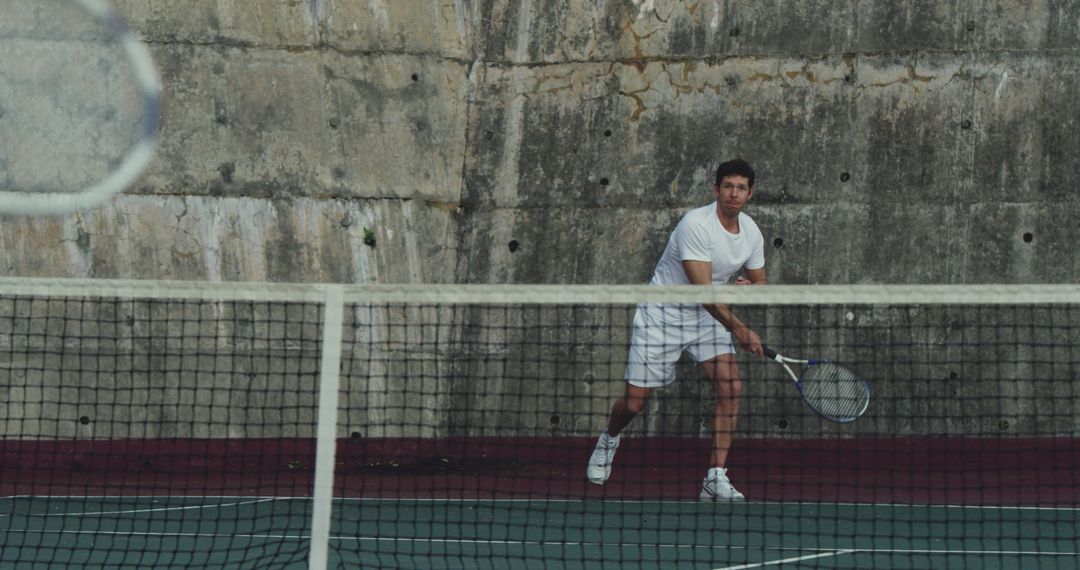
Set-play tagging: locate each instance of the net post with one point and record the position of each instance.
(326, 439)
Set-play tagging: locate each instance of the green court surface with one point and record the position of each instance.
(249, 532)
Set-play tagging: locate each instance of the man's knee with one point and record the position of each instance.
(636, 398)
(635, 404)
(730, 388)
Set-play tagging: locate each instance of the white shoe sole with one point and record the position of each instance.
(710, 498)
(594, 479)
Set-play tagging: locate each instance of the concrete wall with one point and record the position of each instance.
(558, 141)
(897, 141)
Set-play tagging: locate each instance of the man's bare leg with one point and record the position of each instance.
(723, 371)
(724, 374)
(626, 408)
(622, 412)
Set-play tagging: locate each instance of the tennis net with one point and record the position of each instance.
(254, 425)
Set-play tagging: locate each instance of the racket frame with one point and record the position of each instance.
(784, 361)
(138, 157)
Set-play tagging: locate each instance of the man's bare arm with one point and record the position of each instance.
(700, 273)
(756, 276)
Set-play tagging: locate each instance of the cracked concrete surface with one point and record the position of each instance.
(530, 121)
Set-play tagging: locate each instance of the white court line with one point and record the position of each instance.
(283, 497)
(713, 505)
(786, 560)
(152, 510)
(136, 511)
(818, 553)
(562, 501)
(561, 544)
(165, 534)
(947, 551)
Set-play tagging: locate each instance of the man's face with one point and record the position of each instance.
(732, 194)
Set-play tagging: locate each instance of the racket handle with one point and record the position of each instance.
(769, 352)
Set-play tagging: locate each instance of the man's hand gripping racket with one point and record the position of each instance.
(834, 392)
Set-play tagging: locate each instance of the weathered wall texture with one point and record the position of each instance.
(897, 141)
(285, 137)
(558, 141)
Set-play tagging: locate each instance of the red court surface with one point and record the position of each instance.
(946, 471)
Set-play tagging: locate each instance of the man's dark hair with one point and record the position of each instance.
(737, 167)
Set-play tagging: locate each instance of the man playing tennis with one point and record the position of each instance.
(710, 245)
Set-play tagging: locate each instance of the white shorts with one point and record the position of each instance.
(661, 334)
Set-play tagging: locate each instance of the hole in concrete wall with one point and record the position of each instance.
(489, 135)
(604, 182)
(734, 32)
(334, 123)
(782, 424)
(953, 375)
(971, 26)
(589, 379)
(226, 171)
(84, 420)
(607, 133)
(1028, 237)
(844, 177)
(355, 435)
(965, 124)
(778, 243)
(555, 419)
(415, 77)
(513, 245)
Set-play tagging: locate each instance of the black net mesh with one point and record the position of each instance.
(141, 429)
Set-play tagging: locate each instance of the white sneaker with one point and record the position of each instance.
(717, 487)
(599, 468)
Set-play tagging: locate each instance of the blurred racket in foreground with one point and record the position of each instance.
(79, 105)
(834, 392)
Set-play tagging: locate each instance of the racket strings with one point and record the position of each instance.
(80, 100)
(835, 391)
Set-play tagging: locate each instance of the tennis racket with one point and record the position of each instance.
(79, 105)
(834, 392)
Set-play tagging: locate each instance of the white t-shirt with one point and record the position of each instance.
(700, 237)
